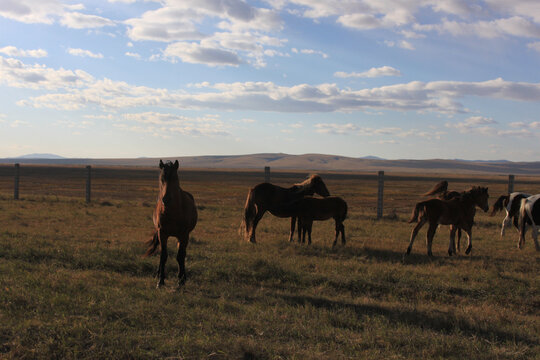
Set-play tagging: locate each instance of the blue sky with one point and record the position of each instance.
(400, 79)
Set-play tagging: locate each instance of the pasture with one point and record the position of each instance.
(74, 284)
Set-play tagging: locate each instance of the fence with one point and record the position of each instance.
(76, 172)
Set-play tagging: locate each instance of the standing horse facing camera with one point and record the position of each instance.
(268, 197)
(309, 209)
(458, 212)
(175, 215)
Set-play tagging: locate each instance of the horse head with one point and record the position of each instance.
(481, 197)
(318, 186)
(168, 180)
(500, 204)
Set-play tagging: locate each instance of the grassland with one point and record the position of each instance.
(73, 283)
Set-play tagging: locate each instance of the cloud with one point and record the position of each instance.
(78, 89)
(13, 51)
(76, 20)
(371, 73)
(133, 55)
(84, 53)
(197, 54)
(166, 124)
(534, 46)
(403, 44)
(310, 52)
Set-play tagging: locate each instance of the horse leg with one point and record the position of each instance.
(452, 245)
(342, 227)
(181, 258)
(309, 227)
(429, 237)
(293, 224)
(162, 259)
(458, 241)
(337, 233)
(414, 233)
(469, 237)
(256, 220)
(522, 233)
(507, 220)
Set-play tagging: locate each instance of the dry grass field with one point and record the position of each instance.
(74, 285)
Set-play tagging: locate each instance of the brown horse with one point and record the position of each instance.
(441, 188)
(175, 215)
(458, 212)
(309, 209)
(268, 197)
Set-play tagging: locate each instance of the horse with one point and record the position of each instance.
(441, 188)
(458, 212)
(268, 197)
(308, 209)
(511, 204)
(175, 215)
(529, 214)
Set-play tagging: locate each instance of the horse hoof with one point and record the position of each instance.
(450, 253)
(408, 251)
(160, 285)
(468, 250)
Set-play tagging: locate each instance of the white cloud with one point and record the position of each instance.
(76, 20)
(534, 46)
(84, 53)
(371, 73)
(13, 51)
(310, 52)
(133, 55)
(166, 124)
(197, 54)
(403, 44)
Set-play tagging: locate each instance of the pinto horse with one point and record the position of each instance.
(308, 209)
(458, 212)
(268, 197)
(511, 203)
(175, 215)
(529, 214)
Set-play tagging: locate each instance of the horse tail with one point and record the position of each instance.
(416, 212)
(499, 204)
(439, 187)
(152, 244)
(344, 210)
(249, 214)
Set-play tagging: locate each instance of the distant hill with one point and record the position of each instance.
(311, 162)
(40, 156)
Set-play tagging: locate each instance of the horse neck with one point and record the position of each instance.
(172, 187)
(305, 188)
(468, 199)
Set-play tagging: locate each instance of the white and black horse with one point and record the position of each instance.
(511, 204)
(529, 214)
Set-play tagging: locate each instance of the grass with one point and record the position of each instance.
(73, 283)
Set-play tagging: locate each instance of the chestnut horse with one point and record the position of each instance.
(268, 197)
(308, 209)
(441, 188)
(458, 212)
(175, 215)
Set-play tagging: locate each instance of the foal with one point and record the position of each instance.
(308, 209)
(458, 212)
(175, 215)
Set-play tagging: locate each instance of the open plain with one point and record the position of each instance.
(73, 282)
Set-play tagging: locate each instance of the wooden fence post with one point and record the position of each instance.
(267, 174)
(510, 184)
(16, 187)
(88, 186)
(380, 195)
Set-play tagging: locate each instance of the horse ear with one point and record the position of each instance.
(161, 166)
(176, 164)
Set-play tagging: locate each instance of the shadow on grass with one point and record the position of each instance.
(436, 322)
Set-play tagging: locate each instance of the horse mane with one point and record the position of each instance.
(472, 192)
(439, 187)
(308, 183)
(500, 204)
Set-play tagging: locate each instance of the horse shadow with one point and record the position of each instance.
(437, 321)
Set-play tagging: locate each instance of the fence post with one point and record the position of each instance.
(267, 174)
(16, 187)
(510, 184)
(380, 195)
(88, 186)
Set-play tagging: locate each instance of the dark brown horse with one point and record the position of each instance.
(309, 209)
(268, 197)
(175, 215)
(441, 188)
(458, 212)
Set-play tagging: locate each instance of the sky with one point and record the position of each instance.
(398, 79)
